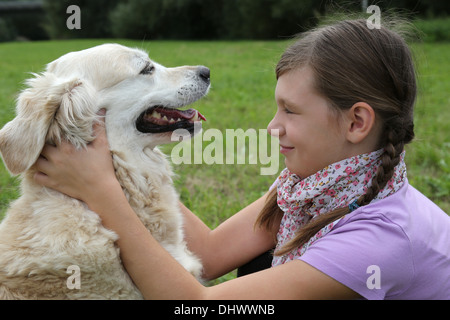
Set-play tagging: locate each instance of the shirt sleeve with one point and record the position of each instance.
(367, 253)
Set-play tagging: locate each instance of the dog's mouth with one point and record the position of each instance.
(160, 119)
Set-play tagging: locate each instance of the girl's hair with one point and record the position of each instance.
(352, 63)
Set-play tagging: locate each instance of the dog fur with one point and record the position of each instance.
(44, 232)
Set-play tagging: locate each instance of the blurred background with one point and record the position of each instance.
(198, 19)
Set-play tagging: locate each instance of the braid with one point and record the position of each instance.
(394, 144)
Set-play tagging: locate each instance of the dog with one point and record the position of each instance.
(45, 235)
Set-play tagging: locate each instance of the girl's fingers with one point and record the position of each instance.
(71, 171)
(41, 179)
(42, 164)
(47, 151)
(99, 129)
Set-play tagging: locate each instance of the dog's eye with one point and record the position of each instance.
(149, 69)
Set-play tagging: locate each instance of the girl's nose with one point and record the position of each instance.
(275, 128)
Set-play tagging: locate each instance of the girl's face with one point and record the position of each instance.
(309, 132)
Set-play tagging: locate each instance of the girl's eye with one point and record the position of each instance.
(149, 69)
(287, 110)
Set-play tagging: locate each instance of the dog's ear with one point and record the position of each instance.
(51, 109)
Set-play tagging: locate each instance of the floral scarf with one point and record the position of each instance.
(337, 185)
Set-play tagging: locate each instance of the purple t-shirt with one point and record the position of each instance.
(395, 248)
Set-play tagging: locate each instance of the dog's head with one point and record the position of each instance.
(142, 98)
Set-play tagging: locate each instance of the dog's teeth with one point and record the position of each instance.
(165, 118)
(195, 118)
(156, 115)
(179, 119)
(172, 120)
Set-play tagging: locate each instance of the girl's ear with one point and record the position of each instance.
(361, 121)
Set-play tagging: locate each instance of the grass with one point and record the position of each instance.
(432, 30)
(428, 157)
(242, 97)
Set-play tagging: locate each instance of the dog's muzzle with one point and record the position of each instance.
(160, 118)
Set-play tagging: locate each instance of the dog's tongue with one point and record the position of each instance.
(190, 114)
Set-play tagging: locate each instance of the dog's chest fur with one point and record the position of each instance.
(149, 190)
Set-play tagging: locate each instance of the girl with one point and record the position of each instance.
(342, 217)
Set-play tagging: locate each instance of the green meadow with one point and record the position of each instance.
(243, 81)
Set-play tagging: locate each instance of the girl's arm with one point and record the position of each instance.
(88, 175)
(232, 244)
(159, 276)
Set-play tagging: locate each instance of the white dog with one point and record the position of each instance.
(45, 234)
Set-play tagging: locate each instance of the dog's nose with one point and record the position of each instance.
(204, 73)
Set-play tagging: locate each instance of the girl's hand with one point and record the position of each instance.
(81, 174)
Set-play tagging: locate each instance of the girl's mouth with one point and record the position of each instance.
(284, 149)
